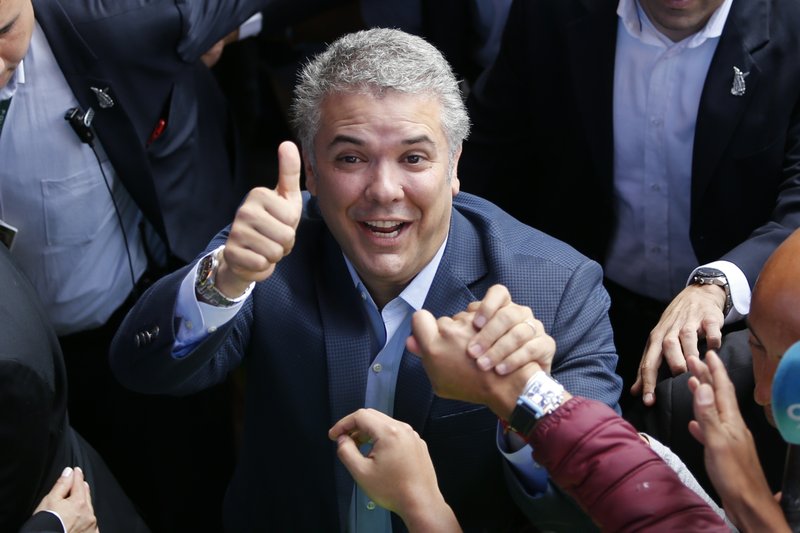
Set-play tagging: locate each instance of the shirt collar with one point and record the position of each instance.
(636, 22)
(415, 292)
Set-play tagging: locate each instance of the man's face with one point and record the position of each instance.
(678, 19)
(16, 27)
(774, 326)
(381, 180)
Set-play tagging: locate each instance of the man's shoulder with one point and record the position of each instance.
(505, 235)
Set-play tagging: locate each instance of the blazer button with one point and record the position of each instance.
(137, 340)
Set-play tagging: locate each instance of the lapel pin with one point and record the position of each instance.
(738, 88)
(104, 100)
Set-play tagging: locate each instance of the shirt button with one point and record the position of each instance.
(212, 329)
(655, 187)
(370, 505)
(656, 122)
(188, 324)
(377, 367)
(364, 296)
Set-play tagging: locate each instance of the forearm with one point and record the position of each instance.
(431, 516)
(755, 511)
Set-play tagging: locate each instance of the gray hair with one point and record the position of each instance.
(374, 61)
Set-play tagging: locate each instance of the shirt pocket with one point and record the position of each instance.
(75, 208)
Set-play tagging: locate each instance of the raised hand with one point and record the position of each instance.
(263, 231)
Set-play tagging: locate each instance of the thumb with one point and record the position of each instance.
(289, 166)
(423, 330)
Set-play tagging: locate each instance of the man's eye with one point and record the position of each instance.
(414, 159)
(349, 159)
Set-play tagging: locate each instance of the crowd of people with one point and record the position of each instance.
(515, 265)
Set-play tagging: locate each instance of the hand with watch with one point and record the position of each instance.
(697, 312)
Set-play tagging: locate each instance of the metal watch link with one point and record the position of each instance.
(542, 395)
(204, 287)
(712, 276)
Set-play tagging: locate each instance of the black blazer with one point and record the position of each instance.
(145, 55)
(542, 145)
(36, 440)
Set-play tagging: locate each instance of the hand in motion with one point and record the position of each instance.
(694, 314)
(263, 230)
(397, 473)
(508, 335)
(730, 453)
(70, 498)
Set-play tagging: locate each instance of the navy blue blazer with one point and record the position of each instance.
(543, 122)
(145, 56)
(306, 345)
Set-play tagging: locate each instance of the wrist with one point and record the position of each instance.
(432, 515)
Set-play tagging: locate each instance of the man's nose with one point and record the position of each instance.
(385, 184)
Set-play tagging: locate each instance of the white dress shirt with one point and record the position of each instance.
(657, 89)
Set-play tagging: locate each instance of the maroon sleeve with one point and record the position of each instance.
(601, 461)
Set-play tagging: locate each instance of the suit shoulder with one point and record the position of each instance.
(508, 236)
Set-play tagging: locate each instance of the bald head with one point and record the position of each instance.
(775, 315)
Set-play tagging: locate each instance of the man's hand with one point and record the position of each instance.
(263, 231)
(508, 335)
(442, 344)
(397, 473)
(695, 313)
(730, 453)
(71, 500)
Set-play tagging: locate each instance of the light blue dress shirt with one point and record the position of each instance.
(69, 243)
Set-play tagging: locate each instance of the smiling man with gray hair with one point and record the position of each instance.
(314, 292)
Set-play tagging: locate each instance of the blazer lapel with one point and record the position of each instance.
(348, 345)
(462, 264)
(720, 111)
(120, 141)
(591, 40)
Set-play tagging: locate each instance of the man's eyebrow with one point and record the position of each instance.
(345, 139)
(420, 139)
(7, 27)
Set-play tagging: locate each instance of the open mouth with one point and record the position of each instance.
(384, 228)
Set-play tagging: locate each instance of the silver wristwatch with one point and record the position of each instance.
(204, 287)
(712, 276)
(542, 395)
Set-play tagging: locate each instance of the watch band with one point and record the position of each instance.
(542, 395)
(204, 287)
(712, 276)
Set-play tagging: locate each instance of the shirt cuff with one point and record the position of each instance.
(738, 285)
(197, 320)
(251, 27)
(531, 475)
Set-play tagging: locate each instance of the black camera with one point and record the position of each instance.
(81, 123)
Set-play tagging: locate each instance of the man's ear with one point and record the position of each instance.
(311, 177)
(455, 185)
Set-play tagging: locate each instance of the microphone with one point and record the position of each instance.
(786, 412)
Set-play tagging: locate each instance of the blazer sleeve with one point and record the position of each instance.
(205, 23)
(25, 440)
(600, 460)
(43, 522)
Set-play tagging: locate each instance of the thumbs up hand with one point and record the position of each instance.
(263, 230)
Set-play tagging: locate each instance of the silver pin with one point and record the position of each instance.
(104, 100)
(738, 88)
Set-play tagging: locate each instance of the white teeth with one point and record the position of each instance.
(382, 223)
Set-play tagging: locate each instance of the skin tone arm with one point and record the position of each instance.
(397, 473)
(730, 454)
(71, 499)
(695, 313)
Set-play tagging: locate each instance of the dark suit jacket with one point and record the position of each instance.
(669, 418)
(145, 55)
(307, 345)
(36, 441)
(542, 145)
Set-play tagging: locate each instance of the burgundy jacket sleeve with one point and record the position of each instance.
(600, 460)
